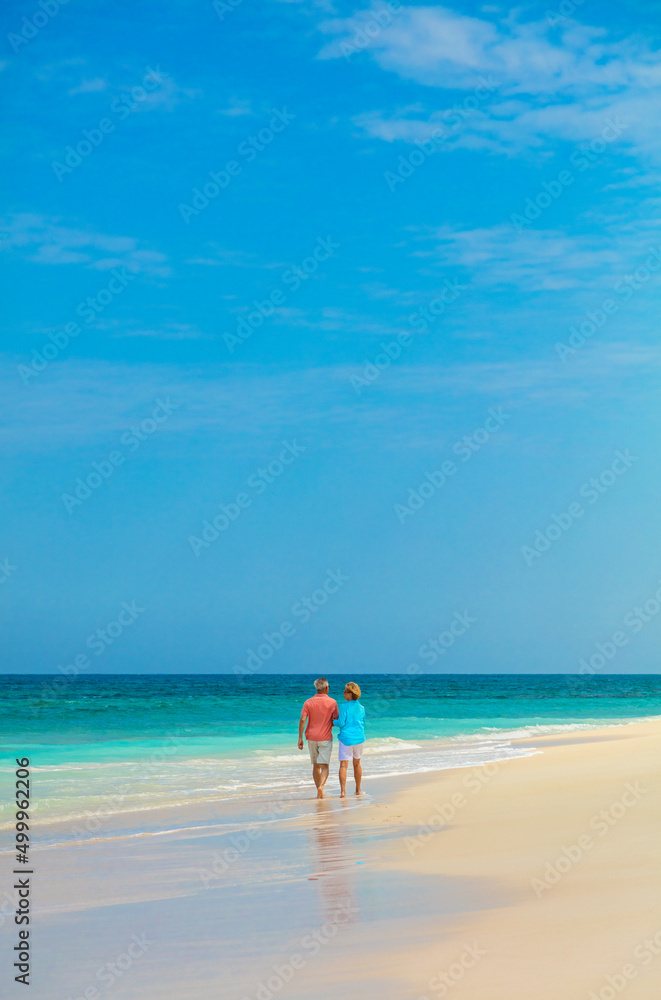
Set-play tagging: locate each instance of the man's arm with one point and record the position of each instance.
(301, 730)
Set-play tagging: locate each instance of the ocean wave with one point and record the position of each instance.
(198, 781)
(280, 757)
(389, 744)
(389, 757)
(559, 728)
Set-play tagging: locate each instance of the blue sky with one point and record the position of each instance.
(169, 335)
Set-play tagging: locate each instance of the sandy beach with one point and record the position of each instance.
(530, 877)
(571, 837)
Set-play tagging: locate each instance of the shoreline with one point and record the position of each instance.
(410, 761)
(426, 866)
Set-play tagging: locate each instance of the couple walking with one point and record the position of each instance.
(321, 714)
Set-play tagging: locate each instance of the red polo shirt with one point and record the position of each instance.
(320, 710)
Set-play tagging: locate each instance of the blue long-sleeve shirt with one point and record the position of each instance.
(351, 721)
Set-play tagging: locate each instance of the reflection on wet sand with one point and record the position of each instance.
(332, 860)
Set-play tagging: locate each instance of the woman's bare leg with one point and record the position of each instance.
(358, 774)
(343, 777)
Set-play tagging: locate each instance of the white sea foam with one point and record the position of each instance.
(78, 791)
(389, 744)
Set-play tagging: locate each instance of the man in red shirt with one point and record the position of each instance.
(320, 712)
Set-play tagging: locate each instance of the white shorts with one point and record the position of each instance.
(346, 753)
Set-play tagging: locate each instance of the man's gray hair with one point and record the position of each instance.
(321, 684)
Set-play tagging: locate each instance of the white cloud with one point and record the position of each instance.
(221, 257)
(599, 370)
(332, 319)
(44, 240)
(533, 260)
(85, 401)
(438, 47)
(168, 95)
(89, 86)
(168, 331)
(237, 108)
(142, 89)
(548, 87)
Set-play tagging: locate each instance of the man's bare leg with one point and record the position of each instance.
(320, 775)
(343, 777)
(358, 774)
(323, 770)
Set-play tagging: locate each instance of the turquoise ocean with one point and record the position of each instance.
(105, 747)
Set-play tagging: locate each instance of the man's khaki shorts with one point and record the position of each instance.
(320, 751)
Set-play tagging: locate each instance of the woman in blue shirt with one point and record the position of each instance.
(351, 739)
